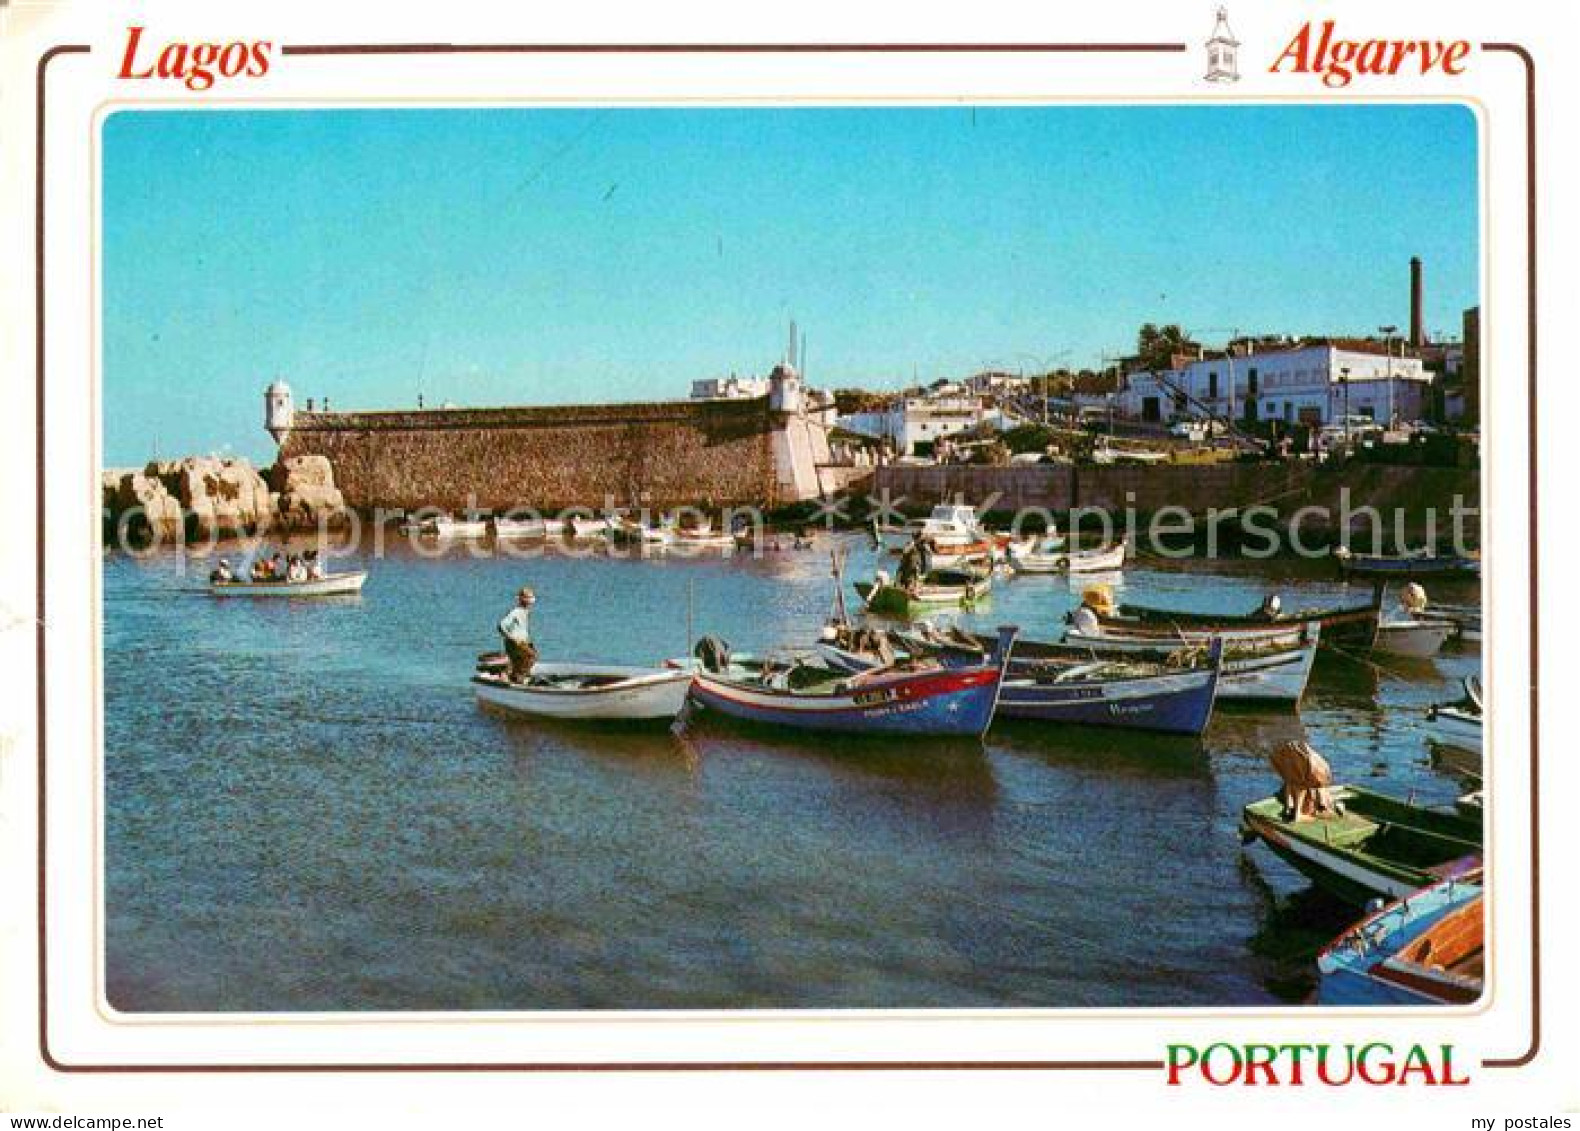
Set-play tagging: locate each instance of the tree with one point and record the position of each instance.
(1156, 345)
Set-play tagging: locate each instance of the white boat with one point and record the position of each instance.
(1417, 638)
(1465, 620)
(518, 528)
(625, 530)
(330, 585)
(701, 540)
(447, 527)
(949, 526)
(1460, 724)
(585, 529)
(1071, 561)
(585, 692)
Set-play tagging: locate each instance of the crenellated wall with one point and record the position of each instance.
(725, 452)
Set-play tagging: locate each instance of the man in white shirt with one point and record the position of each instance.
(518, 638)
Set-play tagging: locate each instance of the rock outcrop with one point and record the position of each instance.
(307, 492)
(208, 497)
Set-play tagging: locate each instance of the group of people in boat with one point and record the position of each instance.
(278, 567)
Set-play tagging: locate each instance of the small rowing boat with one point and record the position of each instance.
(330, 585)
(909, 699)
(1426, 949)
(939, 588)
(1267, 668)
(1412, 637)
(1417, 563)
(1459, 723)
(584, 692)
(1355, 843)
(1464, 620)
(446, 527)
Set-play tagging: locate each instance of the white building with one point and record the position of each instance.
(909, 421)
(1316, 384)
(729, 388)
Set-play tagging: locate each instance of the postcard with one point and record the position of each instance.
(792, 558)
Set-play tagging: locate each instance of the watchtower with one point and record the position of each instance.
(278, 410)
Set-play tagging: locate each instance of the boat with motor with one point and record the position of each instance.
(1425, 949)
(916, 698)
(1460, 723)
(1417, 563)
(330, 585)
(950, 525)
(1355, 843)
(583, 692)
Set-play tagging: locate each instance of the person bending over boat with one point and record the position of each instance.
(515, 630)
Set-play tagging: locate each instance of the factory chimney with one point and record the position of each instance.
(1417, 328)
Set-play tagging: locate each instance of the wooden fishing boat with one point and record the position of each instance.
(585, 692)
(1258, 666)
(1369, 844)
(939, 588)
(1463, 620)
(1070, 561)
(1459, 723)
(1117, 694)
(1352, 626)
(924, 699)
(1426, 949)
(1412, 637)
(330, 585)
(446, 527)
(1419, 563)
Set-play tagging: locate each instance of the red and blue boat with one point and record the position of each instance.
(1109, 694)
(918, 699)
(1426, 949)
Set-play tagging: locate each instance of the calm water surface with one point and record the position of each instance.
(306, 809)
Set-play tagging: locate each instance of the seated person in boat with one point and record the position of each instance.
(277, 567)
(518, 638)
(1272, 607)
(261, 569)
(222, 573)
(296, 569)
(315, 565)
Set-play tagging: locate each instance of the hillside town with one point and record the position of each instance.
(1397, 394)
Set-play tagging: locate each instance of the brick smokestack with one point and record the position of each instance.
(1417, 321)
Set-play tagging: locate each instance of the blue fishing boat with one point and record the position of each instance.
(1116, 694)
(1425, 949)
(1418, 563)
(924, 698)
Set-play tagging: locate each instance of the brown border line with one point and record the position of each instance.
(1534, 590)
(713, 1066)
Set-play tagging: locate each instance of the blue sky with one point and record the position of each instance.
(531, 256)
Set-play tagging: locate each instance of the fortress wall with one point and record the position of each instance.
(549, 458)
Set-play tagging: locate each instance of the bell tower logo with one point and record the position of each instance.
(1222, 52)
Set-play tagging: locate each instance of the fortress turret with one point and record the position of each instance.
(784, 389)
(278, 410)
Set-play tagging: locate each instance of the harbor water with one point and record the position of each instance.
(306, 809)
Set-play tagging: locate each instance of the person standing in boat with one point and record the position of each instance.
(515, 630)
(913, 564)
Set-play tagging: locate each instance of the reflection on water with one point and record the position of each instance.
(307, 810)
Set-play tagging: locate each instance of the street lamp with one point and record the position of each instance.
(1388, 333)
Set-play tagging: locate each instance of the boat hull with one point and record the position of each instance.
(937, 702)
(335, 585)
(1370, 565)
(1171, 704)
(1455, 727)
(1370, 965)
(1075, 561)
(1343, 628)
(1418, 639)
(641, 695)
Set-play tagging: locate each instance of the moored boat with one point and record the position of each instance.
(937, 589)
(1425, 949)
(1420, 639)
(584, 692)
(586, 529)
(948, 526)
(1465, 620)
(626, 530)
(519, 528)
(1264, 669)
(1117, 694)
(447, 527)
(1459, 723)
(1419, 563)
(1349, 626)
(1100, 560)
(330, 585)
(911, 699)
(1353, 842)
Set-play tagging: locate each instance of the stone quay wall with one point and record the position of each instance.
(1285, 486)
(659, 454)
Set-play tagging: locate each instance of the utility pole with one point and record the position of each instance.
(1388, 333)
